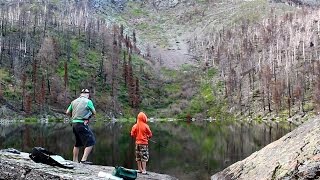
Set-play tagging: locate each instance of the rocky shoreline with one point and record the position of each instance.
(294, 156)
(20, 166)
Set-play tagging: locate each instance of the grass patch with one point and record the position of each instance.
(99, 117)
(55, 120)
(169, 73)
(93, 58)
(187, 67)
(211, 73)
(10, 94)
(5, 76)
(75, 45)
(138, 12)
(308, 106)
(248, 10)
(172, 88)
(137, 61)
(196, 106)
(135, 10)
(143, 26)
(31, 119)
(75, 72)
(207, 92)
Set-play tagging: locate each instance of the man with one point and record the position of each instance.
(81, 109)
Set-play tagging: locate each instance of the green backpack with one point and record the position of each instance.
(126, 174)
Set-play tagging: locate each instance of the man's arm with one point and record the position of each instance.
(69, 110)
(91, 108)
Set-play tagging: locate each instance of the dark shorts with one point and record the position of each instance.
(83, 134)
(142, 152)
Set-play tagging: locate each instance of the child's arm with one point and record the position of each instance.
(133, 131)
(149, 133)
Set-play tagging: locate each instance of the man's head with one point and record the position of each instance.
(85, 93)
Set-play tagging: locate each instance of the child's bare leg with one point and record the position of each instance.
(144, 166)
(139, 166)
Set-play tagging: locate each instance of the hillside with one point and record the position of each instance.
(176, 26)
(264, 52)
(202, 59)
(50, 50)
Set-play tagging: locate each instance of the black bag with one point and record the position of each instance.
(126, 174)
(41, 155)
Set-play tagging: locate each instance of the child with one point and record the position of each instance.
(141, 132)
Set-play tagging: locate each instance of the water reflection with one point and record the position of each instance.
(186, 151)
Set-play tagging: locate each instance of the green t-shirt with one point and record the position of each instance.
(81, 108)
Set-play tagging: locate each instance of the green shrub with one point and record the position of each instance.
(11, 94)
(31, 119)
(211, 73)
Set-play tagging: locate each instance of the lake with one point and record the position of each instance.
(186, 150)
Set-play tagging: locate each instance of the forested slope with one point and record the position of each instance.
(202, 59)
(50, 50)
(265, 52)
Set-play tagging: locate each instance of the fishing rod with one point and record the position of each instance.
(155, 142)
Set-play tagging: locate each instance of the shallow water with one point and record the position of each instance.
(193, 150)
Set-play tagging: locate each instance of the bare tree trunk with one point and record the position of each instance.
(289, 96)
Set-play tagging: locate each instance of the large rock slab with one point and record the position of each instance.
(300, 2)
(20, 166)
(294, 156)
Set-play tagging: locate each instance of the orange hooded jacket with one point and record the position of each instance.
(141, 130)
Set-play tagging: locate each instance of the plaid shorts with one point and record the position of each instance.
(142, 152)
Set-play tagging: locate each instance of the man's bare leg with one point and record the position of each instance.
(86, 153)
(75, 154)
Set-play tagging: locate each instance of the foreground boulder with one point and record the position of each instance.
(20, 166)
(294, 156)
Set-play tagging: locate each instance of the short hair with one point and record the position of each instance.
(85, 91)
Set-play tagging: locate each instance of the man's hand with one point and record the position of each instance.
(68, 113)
(86, 122)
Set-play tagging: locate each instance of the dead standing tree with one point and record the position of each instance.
(277, 49)
(316, 93)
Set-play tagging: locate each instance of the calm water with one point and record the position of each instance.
(181, 149)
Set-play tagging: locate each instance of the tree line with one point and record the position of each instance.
(268, 66)
(38, 36)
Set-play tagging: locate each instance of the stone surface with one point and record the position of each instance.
(20, 166)
(294, 156)
(299, 2)
(165, 4)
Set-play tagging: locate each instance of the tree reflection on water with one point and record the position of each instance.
(184, 150)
